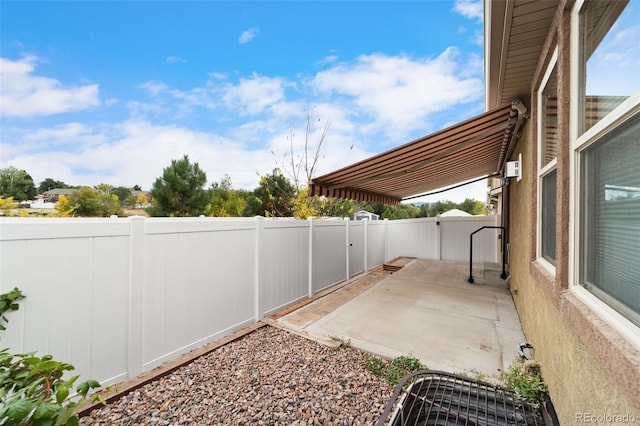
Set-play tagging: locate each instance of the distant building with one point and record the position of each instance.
(455, 213)
(363, 214)
(53, 195)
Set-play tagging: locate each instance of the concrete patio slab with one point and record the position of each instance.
(427, 310)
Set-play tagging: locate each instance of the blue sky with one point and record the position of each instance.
(112, 91)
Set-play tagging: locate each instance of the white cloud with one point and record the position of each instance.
(61, 132)
(253, 95)
(154, 87)
(176, 60)
(374, 100)
(400, 92)
(248, 35)
(327, 60)
(26, 95)
(135, 152)
(472, 9)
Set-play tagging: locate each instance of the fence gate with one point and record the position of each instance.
(356, 247)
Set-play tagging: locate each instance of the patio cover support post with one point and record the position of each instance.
(136, 294)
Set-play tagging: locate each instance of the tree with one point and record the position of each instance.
(124, 195)
(440, 207)
(338, 207)
(49, 184)
(180, 191)
(88, 202)
(472, 207)
(17, 184)
(7, 204)
(226, 201)
(252, 207)
(303, 206)
(276, 194)
(300, 163)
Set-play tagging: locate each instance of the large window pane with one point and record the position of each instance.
(609, 55)
(610, 222)
(548, 249)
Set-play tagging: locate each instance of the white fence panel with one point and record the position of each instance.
(329, 253)
(74, 274)
(199, 284)
(284, 263)
(116, 297)
(376, 247)
(413, 238)
(455, 232)
(356, 247)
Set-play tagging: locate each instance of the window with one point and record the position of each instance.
(609, 46)
(547, 162)
(607, 146)
(610, 207)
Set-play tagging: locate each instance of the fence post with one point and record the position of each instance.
(438, 238)
(386, 239)
(365, 243)
(346, 219)
(136, 296)
(310, 276)
(256, 268)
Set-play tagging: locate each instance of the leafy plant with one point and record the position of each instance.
(8, 303)
(375, 365)
(341, 342)
(396, 369)
(33, 390)
(524, 377)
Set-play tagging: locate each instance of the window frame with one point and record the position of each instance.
(578, 144)
(543, 169)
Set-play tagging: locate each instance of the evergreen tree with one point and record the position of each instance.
(180, 191)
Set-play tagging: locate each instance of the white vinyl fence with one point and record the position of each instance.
(117, 297)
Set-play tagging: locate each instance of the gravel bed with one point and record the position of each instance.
(269, 377)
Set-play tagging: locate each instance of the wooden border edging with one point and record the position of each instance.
(129, 385)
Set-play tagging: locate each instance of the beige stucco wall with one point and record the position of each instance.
(578, 380)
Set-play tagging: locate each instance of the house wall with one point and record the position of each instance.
(591, 369)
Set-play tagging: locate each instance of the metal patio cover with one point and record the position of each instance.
(471, 149)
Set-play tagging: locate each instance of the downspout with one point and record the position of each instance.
(519, 113)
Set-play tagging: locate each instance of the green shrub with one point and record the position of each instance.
(395, 370)
(32, 389)
(524, 377)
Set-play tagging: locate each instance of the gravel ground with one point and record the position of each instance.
(269, 377)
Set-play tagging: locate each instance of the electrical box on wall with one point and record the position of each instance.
(514, 169)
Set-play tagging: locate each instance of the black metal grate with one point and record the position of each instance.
(443, 399)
